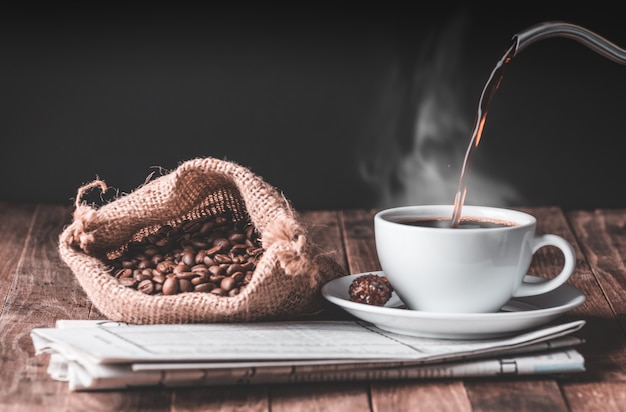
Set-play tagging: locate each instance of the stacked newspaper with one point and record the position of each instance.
(94, 355)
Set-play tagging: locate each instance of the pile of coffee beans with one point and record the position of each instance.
(211, 255)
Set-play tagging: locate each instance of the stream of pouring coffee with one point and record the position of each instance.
(534, 33)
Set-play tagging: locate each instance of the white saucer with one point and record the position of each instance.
(519, 314)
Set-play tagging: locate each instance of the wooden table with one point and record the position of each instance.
(36, 289)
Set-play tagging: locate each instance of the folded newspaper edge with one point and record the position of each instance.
(544, 351)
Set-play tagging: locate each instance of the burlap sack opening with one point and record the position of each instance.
(285, 284)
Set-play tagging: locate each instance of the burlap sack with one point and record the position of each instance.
(285, 283)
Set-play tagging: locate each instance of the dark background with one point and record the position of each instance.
(310, 98)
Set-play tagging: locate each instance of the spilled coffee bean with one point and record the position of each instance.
(210, 255)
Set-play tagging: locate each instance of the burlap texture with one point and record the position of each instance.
(286, 281)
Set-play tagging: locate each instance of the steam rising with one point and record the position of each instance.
(415, 147)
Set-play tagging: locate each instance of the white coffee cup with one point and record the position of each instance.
(463, 270)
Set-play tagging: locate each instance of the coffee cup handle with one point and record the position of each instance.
(529, 289)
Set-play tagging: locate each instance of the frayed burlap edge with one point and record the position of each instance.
(285, 284)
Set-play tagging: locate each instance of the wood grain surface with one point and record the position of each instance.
(36, 289)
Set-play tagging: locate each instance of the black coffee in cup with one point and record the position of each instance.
(465, 223)
(435, 267)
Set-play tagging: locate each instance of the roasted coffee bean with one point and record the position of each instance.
(223, 243)
(227, 283)
(238, 276)
(216, 270)
(239, 249)
(214, 254)
(165, 267)
(253, 252)
(156, 259)
(219, 292)
(189, 258)
(181, 268)
(201, 278)
(128, 282)
(235, 267)
(200, 268)
(222, 258)
(143, 276)
(200, 256)
(204, 287)
(184, 285)
(146, 286)
(171, 286)
(247, 266)
(239, 259)
(128, 264)
(213, 250)
(236, 238)
(158, 278)
(217, 279)
(208, 260)
(198, 244)
(186, 275)
(123, 273)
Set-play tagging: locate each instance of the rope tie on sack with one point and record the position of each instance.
(83, 215)
(290, 243)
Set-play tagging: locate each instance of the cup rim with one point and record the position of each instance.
(393, 214)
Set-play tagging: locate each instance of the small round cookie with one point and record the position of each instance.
(370, 289)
